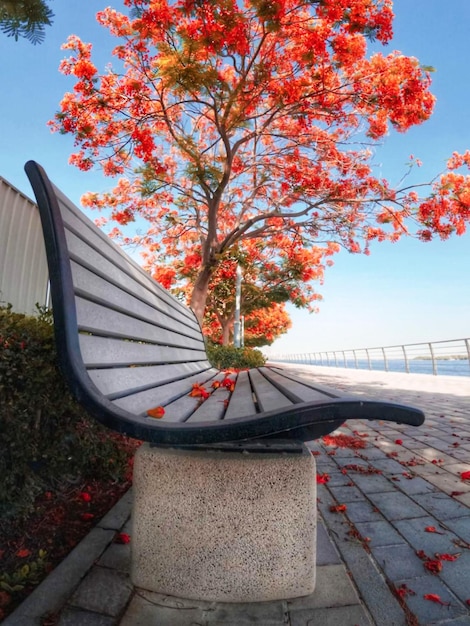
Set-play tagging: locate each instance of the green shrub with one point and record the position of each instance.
(225, 357)
(46, 438)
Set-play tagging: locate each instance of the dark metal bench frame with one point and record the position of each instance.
(297, 420)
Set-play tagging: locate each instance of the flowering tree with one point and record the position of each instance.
(270, 278)
(230, 121)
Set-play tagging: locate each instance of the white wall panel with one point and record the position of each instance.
(23, 266)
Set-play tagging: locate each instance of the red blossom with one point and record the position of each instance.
(399, 442)
(433, 565)
(323, 478)
(338, 508)
(157, 412)
(22, 554)
(86, 517)
(465, 475)
(448, 557)
(432, 529)
(403, 591)
(344, 441)
(433, 597)
(85, 496)
(122, 538)
(198, 391)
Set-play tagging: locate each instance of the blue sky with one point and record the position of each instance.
(402, 293)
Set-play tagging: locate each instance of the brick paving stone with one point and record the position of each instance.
(447, 483)
(362, 512)
(266, 613)
(398, 562)
(458, 468)
(372, 483)
(396, 505)
(342, 461)
(103, 591)
(343, 616)
(456, 575)
(326, 551)
(337, 479)
(333, 588)
(372, 453)
(412, 486)
(413, 530)
(442, 506)
(77, 617)
(142, 612)
(428, 469)
(430, 612)
(388, 466)
(380, 533)
(117, 557)
(347, 494)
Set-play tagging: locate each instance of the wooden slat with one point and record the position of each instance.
(140, 402)
(116, 382)
(212, 409)
(268, 397)
(97, 319)
(295, 390)
(241, 402)
(89, 285)
(79, 224)
(105, 351)
(184, 407)
(322, 389)
(87, 256)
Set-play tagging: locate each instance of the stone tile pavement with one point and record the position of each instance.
(401, 482)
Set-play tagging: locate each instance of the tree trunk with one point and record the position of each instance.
(199, 295)
(226, 332)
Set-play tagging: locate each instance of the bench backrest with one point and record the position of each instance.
(125, 330)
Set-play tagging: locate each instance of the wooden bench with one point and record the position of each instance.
(126, 346)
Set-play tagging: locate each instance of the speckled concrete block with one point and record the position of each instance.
(224, 526)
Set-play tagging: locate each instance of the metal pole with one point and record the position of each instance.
(236, 324)
(385, 360)
(433, 358)
(407, 365)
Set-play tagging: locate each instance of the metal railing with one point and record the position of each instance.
(451, 358)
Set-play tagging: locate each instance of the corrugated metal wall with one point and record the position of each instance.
(23, 266)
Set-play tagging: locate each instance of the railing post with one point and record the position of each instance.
(467, 344)
(407, 365)
(355, 359)
(385, 360)
(434, 364)
(327, 358)
(368, 358)
(336, 360)
(344, 359)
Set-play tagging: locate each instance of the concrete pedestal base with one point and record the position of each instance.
(224, 526)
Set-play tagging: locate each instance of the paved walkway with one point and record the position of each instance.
(403, 481)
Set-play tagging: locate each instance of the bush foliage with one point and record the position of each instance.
(225, 357)
(46, 438)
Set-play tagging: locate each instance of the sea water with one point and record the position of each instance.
(416, 366)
